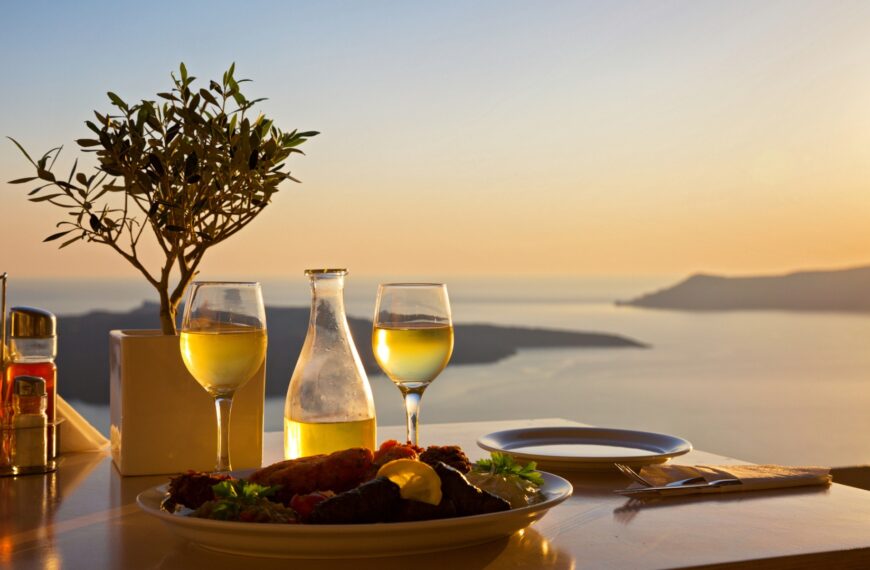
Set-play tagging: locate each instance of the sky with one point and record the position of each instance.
(486, 138)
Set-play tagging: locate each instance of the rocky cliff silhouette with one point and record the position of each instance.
(83, 346)
(845, 290)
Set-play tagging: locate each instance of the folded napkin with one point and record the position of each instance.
(77, 433)
(752, 477)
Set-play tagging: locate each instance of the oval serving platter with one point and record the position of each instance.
(352, 541)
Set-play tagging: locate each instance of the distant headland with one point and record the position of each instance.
(83, 345)
(844, 290)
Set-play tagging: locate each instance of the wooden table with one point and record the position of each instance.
(85, 516)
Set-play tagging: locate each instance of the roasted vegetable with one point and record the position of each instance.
(304, 504)
(374, 501)
(466, 499)
(391, 450)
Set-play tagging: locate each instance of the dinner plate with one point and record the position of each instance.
(352, 541)
(585, 448)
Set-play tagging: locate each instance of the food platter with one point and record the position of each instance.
(585, 448)
(352, 541)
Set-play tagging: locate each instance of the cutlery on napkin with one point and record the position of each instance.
(750, 478)
(77, 433)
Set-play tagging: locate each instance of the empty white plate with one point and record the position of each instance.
(585, 448)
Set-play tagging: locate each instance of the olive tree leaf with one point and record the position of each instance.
(71, 241)
(53, 237)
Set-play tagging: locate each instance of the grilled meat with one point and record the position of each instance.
(338, 472)
(191, 489)
(374, 501)
(452, 455)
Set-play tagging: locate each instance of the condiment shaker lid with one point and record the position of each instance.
(29, 322)
(29, 386)
(339, 271)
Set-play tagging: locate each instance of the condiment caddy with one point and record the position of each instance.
(28, 389)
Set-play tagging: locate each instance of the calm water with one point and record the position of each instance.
(763, 386)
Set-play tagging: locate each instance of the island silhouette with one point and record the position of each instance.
(83, 345)
(842, 290)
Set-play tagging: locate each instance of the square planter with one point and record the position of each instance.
(163, 421)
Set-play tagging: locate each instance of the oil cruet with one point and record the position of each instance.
(329, 402)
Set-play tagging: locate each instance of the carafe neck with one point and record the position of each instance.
(327, 297)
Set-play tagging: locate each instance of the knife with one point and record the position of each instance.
(677, 490)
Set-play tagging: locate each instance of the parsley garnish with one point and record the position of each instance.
(241, 488)
(232, 496)
(505, 465)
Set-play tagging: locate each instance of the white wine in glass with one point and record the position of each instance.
(412, 340)
(222, 361)
(415, 353)
(223, 344)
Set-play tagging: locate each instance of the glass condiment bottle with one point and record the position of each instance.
(33, 348)
(6, 431)
(29, 420)
(5, 394)
(329, 403)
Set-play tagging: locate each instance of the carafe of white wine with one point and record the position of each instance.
(329, 402)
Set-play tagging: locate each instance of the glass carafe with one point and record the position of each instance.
(329, 402)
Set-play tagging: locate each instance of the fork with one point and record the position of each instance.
(632, 474)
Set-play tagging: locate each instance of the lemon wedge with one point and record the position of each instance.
(416, 480)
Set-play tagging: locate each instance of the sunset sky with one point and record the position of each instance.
(487, 137)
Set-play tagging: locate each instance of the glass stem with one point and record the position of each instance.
(223, 406)
(412, 413)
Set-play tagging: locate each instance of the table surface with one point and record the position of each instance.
(85, 516)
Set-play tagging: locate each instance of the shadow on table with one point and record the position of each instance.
(594, 483)
(524, 549)
(627, 512)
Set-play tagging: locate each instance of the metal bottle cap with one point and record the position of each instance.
(29, 386)
(326, 271)
(29, 322)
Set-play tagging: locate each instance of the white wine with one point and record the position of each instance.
(222, 361)
(414, 353)
(302, 439)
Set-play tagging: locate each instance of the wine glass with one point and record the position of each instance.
(223, 343)
(412, 339)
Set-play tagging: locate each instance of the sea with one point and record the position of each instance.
(763, 386)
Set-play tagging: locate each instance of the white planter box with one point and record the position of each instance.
(163, 421)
